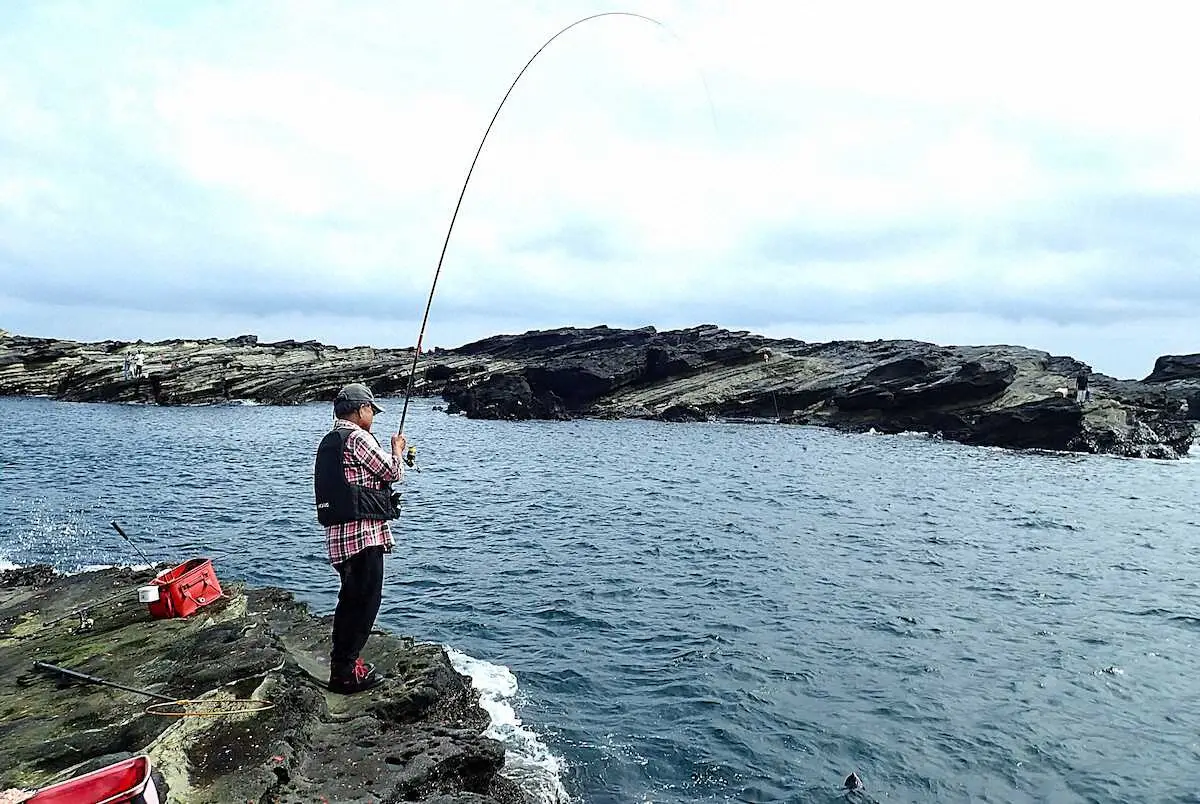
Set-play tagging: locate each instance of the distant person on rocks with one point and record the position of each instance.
(139, 365)
(352, 481)
(1082, 394)
(125, 367)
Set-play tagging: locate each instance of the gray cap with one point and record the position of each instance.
(352, 396)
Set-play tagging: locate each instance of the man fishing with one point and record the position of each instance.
(352, 480)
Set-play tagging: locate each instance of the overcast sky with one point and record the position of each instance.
(957, 172)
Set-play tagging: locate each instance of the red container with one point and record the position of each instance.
(184, 590)
(127, 781)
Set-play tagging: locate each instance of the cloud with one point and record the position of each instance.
(579, 240)
(788, 246)
(272, 165)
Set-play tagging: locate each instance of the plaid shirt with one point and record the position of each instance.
(366, 465)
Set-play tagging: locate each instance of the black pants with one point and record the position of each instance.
(357, 607)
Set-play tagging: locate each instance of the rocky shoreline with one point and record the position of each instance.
(1005, 396)
(418, 738)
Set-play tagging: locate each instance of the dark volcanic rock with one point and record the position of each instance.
(416, 738)
(920, 383)
(1175, 367)
(1002, 395)
(441, 373)
(689, 351)
(579, 367)
(503, 396)
(1061, 424)
(683, 413)
(1046, 424)
(554, 342)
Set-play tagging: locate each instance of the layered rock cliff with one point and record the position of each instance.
(1007, 396)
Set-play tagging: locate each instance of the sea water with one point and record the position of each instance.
(704, 612)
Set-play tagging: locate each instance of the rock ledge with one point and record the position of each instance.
(416, 738)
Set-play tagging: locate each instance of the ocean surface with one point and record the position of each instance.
(705, 612)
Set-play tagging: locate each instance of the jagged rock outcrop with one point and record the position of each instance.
(1174, 381)
(1006, 396)
(504, 396)
(1175, 367)
(1062, 424)
(1002, 395)
(417, 738)
(682, 413)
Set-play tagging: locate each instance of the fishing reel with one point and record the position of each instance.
(410, 458)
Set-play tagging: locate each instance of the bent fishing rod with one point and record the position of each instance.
(454, 217)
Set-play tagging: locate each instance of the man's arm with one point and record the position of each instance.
(386, 468)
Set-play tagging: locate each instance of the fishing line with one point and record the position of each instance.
(454, 217)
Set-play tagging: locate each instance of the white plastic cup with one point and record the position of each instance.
(148, 594)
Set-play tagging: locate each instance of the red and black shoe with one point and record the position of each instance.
(358, 677)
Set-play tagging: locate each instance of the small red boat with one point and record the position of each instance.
(126, 782)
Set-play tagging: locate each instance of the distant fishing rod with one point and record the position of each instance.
(79, 611)
(445, 244)
(131, 544)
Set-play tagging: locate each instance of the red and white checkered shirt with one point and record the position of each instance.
(366, 465)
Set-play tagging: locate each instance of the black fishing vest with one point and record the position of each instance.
(339, 500)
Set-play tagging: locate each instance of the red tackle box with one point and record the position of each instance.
(186, 589)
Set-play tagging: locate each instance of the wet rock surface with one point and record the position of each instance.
(416, 738)
(1007, 396)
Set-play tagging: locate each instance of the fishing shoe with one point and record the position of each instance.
(359, 678)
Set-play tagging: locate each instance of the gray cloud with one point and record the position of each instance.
(1149, 245)
(799, 245)
(1153, 270)
(584, 240)
(1132, 225)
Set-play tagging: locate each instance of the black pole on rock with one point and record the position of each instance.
(77, 676)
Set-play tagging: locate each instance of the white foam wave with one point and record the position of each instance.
(919, 434)
(905, 434)
(5, 565)
(528, 761)
(83, 568)
(221, 403)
